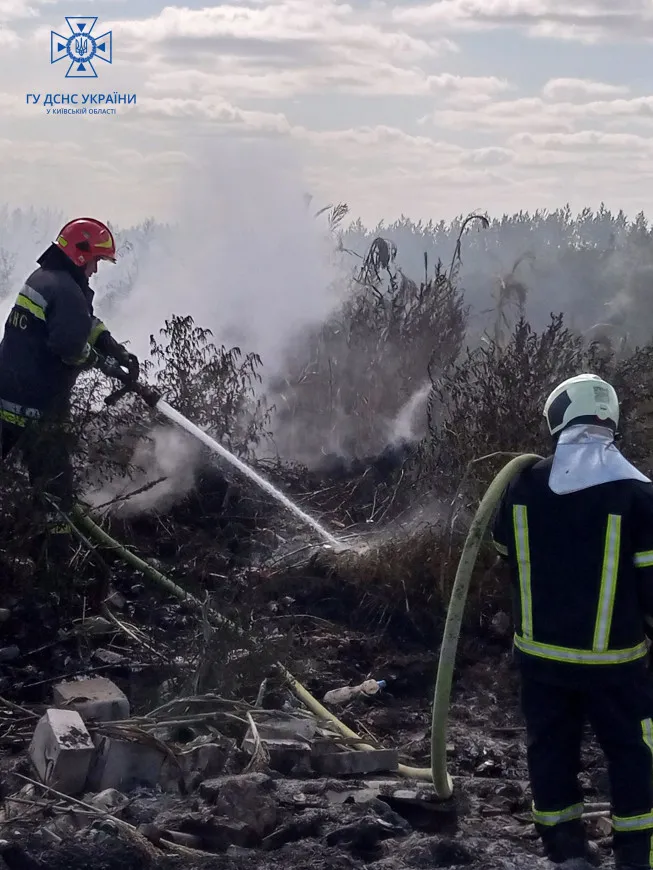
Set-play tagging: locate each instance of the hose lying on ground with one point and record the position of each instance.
(322, 713)
(437, 773)
(84, 521)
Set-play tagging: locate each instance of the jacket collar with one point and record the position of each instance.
(55, 260)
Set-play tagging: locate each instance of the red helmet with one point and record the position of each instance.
(84, 239)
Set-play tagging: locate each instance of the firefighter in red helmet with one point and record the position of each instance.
(50, 337)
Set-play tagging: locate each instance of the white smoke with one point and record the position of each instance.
(410, 422)
(245, 257)
(167, 453)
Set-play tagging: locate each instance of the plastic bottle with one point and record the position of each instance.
(346, 693)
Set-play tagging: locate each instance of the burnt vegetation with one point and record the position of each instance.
(386, 423)
(356, 453)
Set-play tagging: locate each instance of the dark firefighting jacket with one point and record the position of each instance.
(48, 340)
(581, 566)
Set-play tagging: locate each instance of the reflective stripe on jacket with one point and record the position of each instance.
(582, 570)
(47, 339)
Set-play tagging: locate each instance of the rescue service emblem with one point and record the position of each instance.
(80, 47)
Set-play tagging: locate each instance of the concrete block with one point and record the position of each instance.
(61, 751)
(124, 764)
(287, 740)
(355, 763)
(96, 698)
(286, 756)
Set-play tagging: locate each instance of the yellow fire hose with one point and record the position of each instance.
(437, 773)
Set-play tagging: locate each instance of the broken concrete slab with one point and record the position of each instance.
(286, 739)
(355, 762)
(284, 756)
(124, 764)
(97, 699)
(62, 750)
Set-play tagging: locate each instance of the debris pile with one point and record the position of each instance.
(203, 780)
(87, 741)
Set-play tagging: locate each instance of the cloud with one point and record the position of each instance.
(278, 31)
(586, 20)
(539, 114)
(351, 79)
(470, 89)
(207, 108)
(379, 103)
(585, 141)
(283, 48)
(580, 89)
(15, 10)
(8, 38)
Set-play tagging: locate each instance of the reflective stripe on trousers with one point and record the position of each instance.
(644, 822)
(557, 817)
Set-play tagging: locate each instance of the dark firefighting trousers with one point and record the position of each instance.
(46, 451)
(620, 717)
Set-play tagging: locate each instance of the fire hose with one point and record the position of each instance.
(437, 772)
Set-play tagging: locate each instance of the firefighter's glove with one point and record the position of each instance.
(128, 361)
(133, 367)
(110, 367)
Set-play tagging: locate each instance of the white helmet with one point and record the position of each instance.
(582, 399)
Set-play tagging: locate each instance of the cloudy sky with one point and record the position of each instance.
(429, 109)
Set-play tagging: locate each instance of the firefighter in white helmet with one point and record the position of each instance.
(577, 532)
